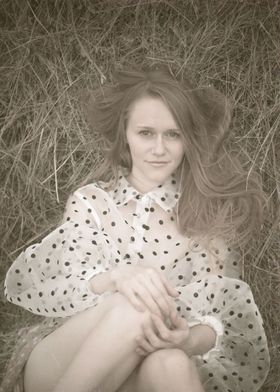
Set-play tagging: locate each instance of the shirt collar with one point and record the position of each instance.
(165, 195)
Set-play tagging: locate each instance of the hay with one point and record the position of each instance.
(51, 51)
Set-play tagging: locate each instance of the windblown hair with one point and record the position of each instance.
(220, 197)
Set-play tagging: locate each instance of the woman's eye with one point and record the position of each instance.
(173, 134)
(145, 132)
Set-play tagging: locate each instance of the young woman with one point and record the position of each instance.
(140, 285)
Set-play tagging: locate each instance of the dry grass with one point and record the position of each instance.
(51, 50)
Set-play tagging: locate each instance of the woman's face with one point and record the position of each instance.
(155, 143)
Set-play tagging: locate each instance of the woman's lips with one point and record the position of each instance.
(158, 164)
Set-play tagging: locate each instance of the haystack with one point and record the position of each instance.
(51, 51)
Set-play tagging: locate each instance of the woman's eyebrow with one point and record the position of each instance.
(152, 128)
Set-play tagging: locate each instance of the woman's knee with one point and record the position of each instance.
(166, 362)
(123, 314)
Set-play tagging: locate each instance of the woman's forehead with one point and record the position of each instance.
(149, 110)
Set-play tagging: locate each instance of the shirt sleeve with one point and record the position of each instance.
(211, 292)
(52, 277)
(228, 306)
(220, 260)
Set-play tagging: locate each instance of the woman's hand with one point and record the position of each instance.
(157, 335)
(146, 288)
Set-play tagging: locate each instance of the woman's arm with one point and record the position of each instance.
(201, 339)
(145, 287)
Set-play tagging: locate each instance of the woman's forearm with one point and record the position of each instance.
(202, 339)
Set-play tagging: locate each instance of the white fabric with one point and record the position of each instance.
(105, 227)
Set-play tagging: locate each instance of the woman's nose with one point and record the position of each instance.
(159, 146)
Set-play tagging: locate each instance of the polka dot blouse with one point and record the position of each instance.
(110, 224)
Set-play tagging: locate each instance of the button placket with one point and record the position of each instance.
(141, 218)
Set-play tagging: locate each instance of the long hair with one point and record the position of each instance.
(219, 198)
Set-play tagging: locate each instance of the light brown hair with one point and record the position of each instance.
(219, 198)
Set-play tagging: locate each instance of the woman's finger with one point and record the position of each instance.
(175, 337)
(146, 297)
(169, 288)
(166, 296)
(162, 329)
(141, 352)
(174, 317)
(178, 321)
(130, 295)
(158, 295)
(144, 344)
(150, 335)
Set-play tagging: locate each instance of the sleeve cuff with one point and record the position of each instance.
(217, 326)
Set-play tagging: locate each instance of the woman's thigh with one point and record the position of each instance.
(50, 358)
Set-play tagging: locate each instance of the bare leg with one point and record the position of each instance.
(109, 344)
(167, 370)
(87, 349)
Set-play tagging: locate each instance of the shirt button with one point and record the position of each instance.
(145, 199)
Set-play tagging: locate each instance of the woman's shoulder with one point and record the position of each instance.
(93, 189)
(100, 189)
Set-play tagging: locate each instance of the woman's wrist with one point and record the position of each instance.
(201, 339)
(102, 282)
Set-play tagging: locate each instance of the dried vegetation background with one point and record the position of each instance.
(52, 50)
